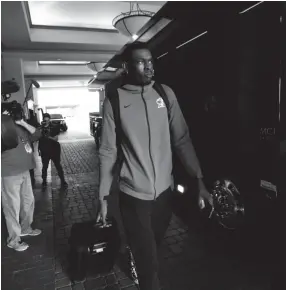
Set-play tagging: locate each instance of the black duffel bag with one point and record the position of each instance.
(9, 136)
(93, 248)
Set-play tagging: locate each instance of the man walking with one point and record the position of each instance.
(50, 149)
(148, 132)
(17, 194)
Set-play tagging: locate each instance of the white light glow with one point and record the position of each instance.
(191, 39)
(99, 250)
(250, 7)
(76, 102)
(180, 188)
(134, 36)
(70, 96)
(279, 97)
(30, 104)
(63, 62)
(162, 55)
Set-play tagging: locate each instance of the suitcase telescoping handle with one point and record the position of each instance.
(97, 248)
(104, 226)
(101, 225)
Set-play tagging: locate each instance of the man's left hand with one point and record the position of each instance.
(204, 195)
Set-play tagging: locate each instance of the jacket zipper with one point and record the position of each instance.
(149, 130)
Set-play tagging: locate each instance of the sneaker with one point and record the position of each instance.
(19, 246)
(31, 233)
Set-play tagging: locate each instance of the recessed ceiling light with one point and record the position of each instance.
(249, 8)
(64, 62)
(162, 55)
(191, 39)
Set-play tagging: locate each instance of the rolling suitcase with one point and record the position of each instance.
(93, 248)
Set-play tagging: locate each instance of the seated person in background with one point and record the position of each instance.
(50, 149)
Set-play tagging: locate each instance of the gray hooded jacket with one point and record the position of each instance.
(147, 164)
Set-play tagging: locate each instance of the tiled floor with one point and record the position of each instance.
(190, 258)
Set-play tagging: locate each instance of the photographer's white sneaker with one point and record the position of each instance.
(18, 246)
(31, 233)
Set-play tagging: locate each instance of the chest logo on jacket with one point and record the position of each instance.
(160, 103)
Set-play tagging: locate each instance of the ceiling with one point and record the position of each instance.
(63, 31)
(83, 14)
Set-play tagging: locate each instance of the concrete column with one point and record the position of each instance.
(13, 68)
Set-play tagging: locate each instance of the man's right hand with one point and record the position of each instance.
(102, 212)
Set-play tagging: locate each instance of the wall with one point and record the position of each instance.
(237, 61)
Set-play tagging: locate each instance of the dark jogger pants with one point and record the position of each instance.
(32, 175)
(145, 225)
(55, 156)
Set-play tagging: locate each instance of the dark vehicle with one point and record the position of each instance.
(95, 127)
(58, 119)
(226, 78)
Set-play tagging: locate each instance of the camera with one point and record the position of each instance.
(45, 130)
(14, 109)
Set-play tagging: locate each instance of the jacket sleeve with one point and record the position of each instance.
(36, 136)
(55, 131)
(180, 137)
(107, 150)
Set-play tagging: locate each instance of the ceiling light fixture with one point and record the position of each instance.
(96, 66)
(129, 23)
(62, 62)
(134, 37)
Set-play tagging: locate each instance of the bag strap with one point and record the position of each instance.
(113, 97)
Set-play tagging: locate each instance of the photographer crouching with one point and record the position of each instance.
(50, 149)
(17, 159)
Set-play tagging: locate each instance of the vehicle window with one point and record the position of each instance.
(56, 116)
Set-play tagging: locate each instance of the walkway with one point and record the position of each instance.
(188, 260)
